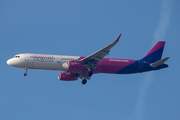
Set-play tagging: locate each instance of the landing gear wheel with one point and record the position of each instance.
(90, 73)
(84, 81)
(25, 74)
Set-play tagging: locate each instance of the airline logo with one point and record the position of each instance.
(118, 60)
(43, 58)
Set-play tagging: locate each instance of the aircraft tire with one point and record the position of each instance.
(84, 81)
(25, 74)
(90, 73)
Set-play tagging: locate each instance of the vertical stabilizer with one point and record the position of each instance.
(155, 53)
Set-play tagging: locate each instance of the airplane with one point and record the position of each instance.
(75, 67)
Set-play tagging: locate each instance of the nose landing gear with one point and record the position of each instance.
(25, 74)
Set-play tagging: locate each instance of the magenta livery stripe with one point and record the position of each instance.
(80, 58)
(109, 65)
(158, 45)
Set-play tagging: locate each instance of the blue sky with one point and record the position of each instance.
(81, 28)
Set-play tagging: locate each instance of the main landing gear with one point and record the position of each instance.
(25, 74)
(84, 81)
(90, 73)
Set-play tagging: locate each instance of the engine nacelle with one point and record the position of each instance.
(73, 65)
(67, 77)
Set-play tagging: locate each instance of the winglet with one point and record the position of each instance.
(118, 38)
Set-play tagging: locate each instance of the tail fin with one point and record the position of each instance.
(155, 53)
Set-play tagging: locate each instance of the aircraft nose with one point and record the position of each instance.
(9, 62)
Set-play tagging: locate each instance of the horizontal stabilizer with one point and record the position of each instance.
(159, 62)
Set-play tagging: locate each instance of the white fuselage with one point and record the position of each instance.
(40, 61)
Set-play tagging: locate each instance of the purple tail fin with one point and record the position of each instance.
(155, 53)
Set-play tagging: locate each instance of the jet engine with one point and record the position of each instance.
(73, 65)
(67, 77)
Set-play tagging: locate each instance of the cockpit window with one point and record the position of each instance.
(16, 56)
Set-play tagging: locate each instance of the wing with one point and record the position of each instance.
(92, 60)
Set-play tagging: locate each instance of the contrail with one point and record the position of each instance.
(159, 34)
(163, 24)
(139, 108)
